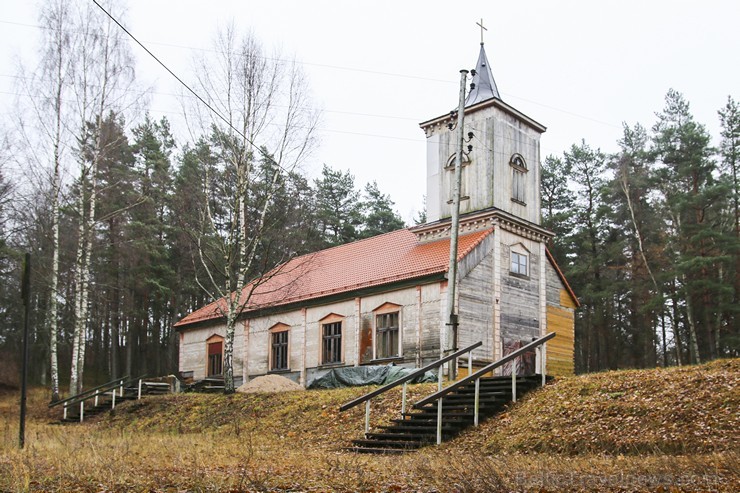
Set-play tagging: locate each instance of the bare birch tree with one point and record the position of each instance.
(45, 116)
(261, 118)
(103, 74)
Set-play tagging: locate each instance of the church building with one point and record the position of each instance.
(383, 300)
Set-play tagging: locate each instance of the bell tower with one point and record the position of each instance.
(501, 171)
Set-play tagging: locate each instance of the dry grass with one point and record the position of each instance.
(293, 441)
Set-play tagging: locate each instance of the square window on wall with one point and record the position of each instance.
(519, 264)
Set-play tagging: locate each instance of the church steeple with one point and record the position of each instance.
(485, 86)
(500, 171)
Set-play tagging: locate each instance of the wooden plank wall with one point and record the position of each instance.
(561, 320)
(520, 314)
(474, 308)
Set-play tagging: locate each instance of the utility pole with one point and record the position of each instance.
(454, 229)
(26, 295)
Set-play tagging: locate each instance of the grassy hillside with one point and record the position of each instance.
(654, 430)
(693, 409)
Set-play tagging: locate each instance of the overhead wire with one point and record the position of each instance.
(205, 103)
(345, 68)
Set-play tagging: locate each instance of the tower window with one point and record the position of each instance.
(518, 179)
(519, 263)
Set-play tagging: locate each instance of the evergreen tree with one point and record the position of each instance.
(693, 202)
(588, 270)
(378, 214)
(338, 207)
(421, 216)
(639, 227)
(557, 201)
(729, 163)
(150, 276)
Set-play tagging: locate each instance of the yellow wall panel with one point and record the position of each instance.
(566, 300)
(560, 350)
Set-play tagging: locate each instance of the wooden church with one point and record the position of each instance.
(383, 300)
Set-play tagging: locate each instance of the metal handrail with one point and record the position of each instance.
(486, 369)
(88, 392)
(410, 376)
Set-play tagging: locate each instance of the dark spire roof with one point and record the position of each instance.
(485, 87)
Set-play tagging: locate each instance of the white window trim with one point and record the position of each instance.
(521, 250)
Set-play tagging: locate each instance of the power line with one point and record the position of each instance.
(210, 50)
(211, 108)
(349, 69)
(174, 95)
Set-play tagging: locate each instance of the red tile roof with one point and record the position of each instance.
(376, 261)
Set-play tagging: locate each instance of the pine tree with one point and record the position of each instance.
(693, 201)
(557, 203)
(730, 161)
(588, 273)
(642, 250)
(338, 207)
(378, 214)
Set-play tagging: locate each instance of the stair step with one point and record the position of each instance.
(423, 419)
(482, 404)
(401, 436)
(379, 451)
(446, 430)
(386, 444)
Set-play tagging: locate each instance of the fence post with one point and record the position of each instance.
(439, 421)
(470, 363)
(367, 416)
(139, 388)
(65, 410)
(113, 403)
(403, 401)
(82, 411)
(97, 392)
(543, 362)
(440, 375)
(477, 401)
(513, 381)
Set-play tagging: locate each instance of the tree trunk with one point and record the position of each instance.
(694, 348)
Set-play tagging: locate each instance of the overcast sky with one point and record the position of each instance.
(378, 68)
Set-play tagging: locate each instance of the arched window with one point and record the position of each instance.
(450, 169)
(518, 179)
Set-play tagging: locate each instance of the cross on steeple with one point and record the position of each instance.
(481, 30)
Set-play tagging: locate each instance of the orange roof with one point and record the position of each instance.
(376, 261)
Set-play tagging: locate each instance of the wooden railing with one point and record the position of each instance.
(537, 344)
(404, 381)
